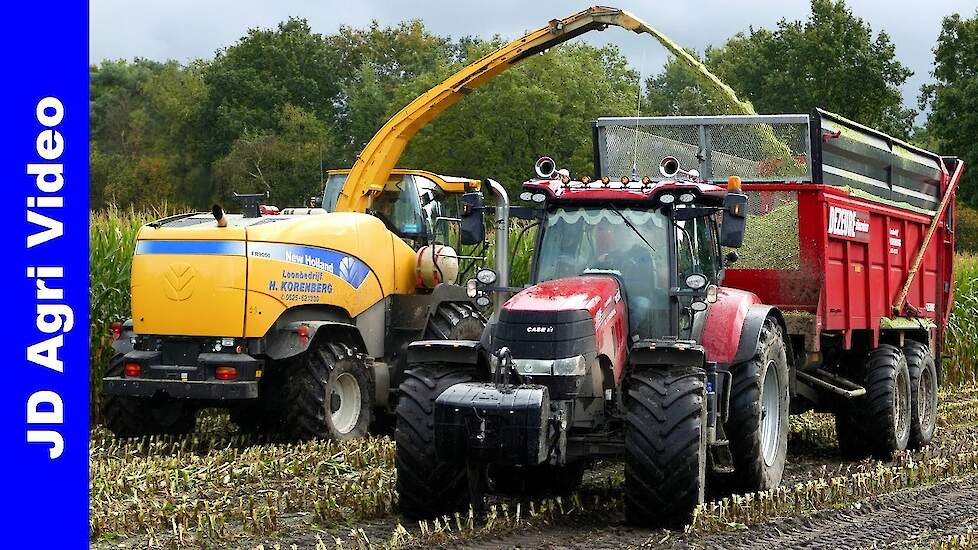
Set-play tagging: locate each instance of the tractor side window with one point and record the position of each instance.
(696, 248)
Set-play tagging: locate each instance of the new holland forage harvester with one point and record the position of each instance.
(638, 339)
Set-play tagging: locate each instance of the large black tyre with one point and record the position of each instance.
(665, 445)
(127, 416)
(330, 395)
(455, 321)
(534, 481)
(885, 409)
(426, 486)
(923, 393)
(757, 427)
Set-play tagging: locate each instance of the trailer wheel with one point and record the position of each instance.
(330, 395)
(923, 393)
(665, 445)
(757, 427)
(127, 416)
(455, 321)
(426, 486)
(886, 406)
(544, 479)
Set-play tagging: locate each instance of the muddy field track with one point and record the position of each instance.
(219, 490)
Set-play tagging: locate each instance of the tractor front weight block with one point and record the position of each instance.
(498, 424)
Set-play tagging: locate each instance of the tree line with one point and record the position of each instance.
(280, 105)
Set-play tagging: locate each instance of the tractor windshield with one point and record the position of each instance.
(576, 241)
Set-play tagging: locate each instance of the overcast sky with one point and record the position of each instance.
(189, 29)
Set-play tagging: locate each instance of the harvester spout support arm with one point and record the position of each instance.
(374, 164)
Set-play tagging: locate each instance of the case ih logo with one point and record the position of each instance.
(848, 224)
(539, 329)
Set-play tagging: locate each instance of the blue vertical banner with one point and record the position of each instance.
(44, 399)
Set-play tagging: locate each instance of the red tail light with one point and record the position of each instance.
(225, 373)
(304, 334)
(116, 330)
(133, 370)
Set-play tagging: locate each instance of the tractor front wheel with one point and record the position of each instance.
(426, 486)
(665, 444)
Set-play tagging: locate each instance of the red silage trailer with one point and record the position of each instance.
(849, 235)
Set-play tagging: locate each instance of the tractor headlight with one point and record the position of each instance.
(471, 288)
(486, 276)
(526, 196)
(667, 198)
(711, 293)
(696, 281)
(569, 366)
(539, 197)
(686, 197)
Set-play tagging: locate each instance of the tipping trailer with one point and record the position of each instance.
(641, 339)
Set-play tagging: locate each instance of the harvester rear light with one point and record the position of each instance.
(116, 330)
(225, 373)
(303, 332)
(133, 370)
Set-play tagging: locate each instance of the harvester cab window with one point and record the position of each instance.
(399, 207)
(579, 241)
(334, 184)
(434, 205)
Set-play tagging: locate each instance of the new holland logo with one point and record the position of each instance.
(848, 224)
(178, 281)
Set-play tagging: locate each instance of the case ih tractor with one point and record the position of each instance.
(640, 340)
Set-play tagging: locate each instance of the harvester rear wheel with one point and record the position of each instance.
(885, 409)
(427, 487)
(128, 416)
(665, 445)
(757, 427)
(923, 393)
(330, 395)
(455, 321)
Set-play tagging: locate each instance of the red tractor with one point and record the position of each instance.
(630, 343)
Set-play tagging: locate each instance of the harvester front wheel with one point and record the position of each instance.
(886, 406)
(330, 395)
(757, 427)
(923, 393)
(426, 486)
(665, 445)
(127, 416)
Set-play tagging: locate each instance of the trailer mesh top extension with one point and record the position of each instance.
(821, 147)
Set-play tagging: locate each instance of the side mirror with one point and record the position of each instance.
(427, 197)
(315, 202)
(734, 220)
(472, 226)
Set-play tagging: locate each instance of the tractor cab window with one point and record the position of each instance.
(696, 248)
(628, 243)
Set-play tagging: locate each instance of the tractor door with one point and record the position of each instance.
(697, 252)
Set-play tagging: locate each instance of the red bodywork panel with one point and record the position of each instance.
(855, 256)
(724, 323)
(599, 295)
(558, 191)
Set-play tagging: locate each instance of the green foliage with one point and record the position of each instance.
(831, 60)
(953, 97)
(961, 339)
(966, 230)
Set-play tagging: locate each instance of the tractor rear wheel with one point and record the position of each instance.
(923, 393)
(757, 427)
(128, 416)
(885, 409)
(426, 486)
(455, 321)
(665, 444)
(330, 395)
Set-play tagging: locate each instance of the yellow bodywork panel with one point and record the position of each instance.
(448, 184)
(189, 281)
(202, 280)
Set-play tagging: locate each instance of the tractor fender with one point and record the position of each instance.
(732, 326)
(456, 352)
(285, 341)
(750, 332)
